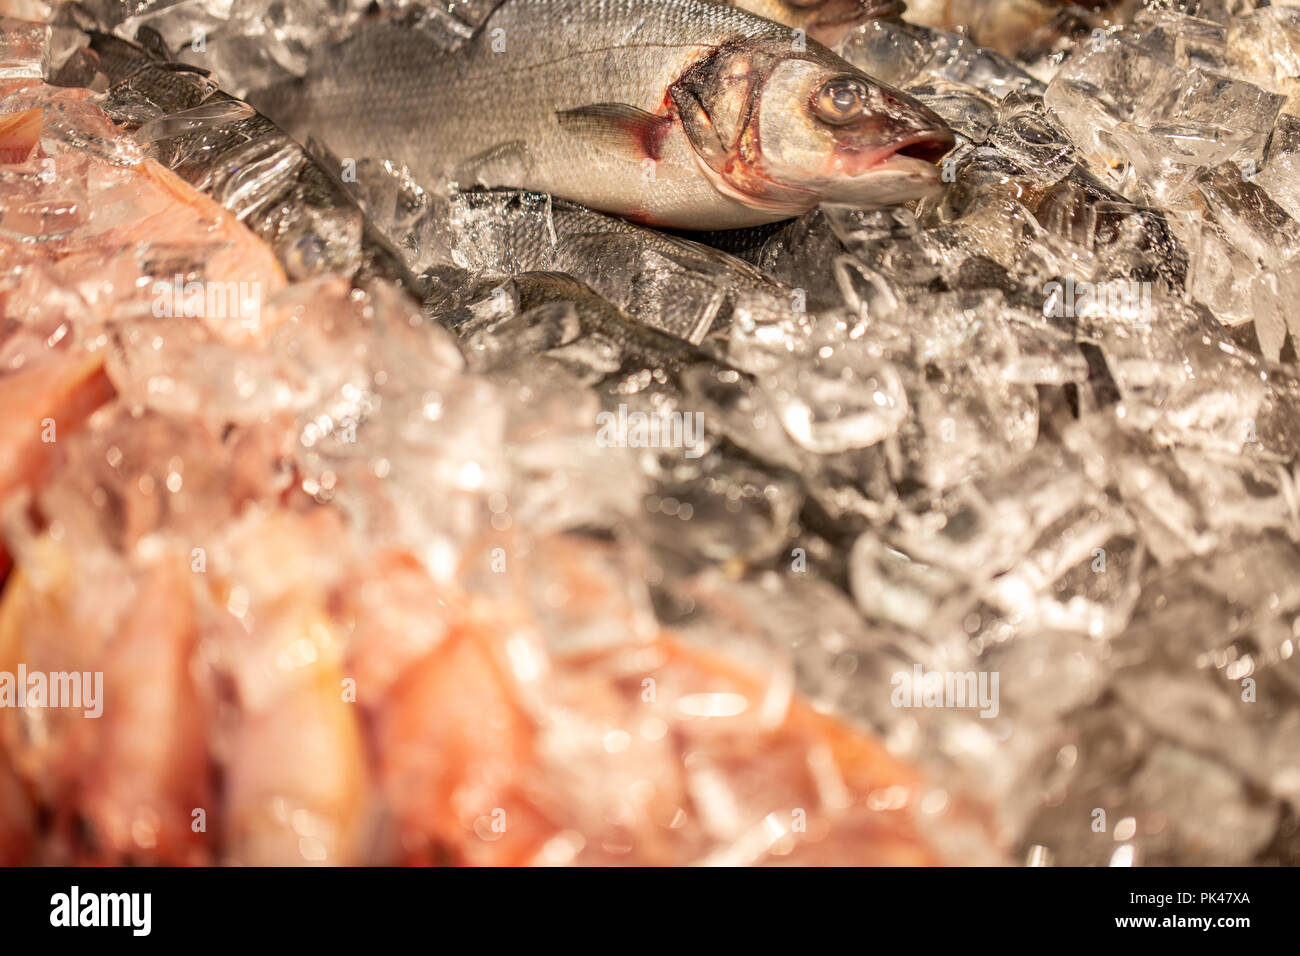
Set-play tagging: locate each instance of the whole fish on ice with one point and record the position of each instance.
(683, 113)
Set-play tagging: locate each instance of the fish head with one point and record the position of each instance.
(782, 130)
(826, 21)
(845, 135)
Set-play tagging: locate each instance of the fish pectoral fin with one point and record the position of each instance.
(506, 164)
(617, 128)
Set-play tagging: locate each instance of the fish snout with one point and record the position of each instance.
(908, 128)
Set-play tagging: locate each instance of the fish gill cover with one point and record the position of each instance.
(403, 459)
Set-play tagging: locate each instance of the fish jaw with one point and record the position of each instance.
(899, 172)
(894, 180)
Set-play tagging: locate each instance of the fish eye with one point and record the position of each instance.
(840, 99)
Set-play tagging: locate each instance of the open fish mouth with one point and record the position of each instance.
(927, 147)
(920, 153)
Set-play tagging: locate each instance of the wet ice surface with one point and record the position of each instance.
(253, 44)
(1043, 426)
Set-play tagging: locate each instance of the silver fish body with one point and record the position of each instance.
(552, 313)
(683, 113)
(663, 282)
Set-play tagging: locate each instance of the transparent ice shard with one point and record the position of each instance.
(841, 402)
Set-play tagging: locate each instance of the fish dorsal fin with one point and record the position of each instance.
(618, 128)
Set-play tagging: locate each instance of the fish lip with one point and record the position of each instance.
(923, 149)
(918, 169)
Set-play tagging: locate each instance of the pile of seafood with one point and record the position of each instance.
(650, 432)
